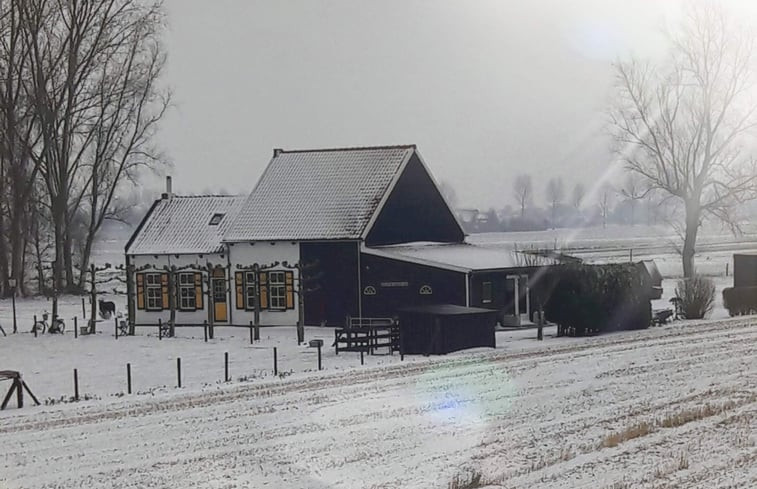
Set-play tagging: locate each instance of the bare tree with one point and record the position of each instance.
(17, 118)
(524, 189)
(93, 70)
(605, 201)
(633, 191)
(683, 125)
(129, 106)
(555, 195)
(577, 198)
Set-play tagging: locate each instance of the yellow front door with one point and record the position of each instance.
(219, 296)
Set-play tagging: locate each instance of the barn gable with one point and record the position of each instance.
(328, 194)
(414, 211)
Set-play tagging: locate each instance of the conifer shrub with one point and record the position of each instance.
(740, 300)
(594, 299)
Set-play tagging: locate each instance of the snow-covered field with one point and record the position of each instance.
(527, 414)
(669, 407)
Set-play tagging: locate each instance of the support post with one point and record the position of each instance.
(128, 378)
(275, 362)
(160, 329)
(178, 372)
(28, 391)
(540, 330)
(205, 330)
(13, 299)
(83, 308)
(34, 328)
(76, 327)
(252, 339)
(226, 366)
(76, 385)
(362, 358)
(19, 393)
(115, 326)
(93, 298)
(319, 357)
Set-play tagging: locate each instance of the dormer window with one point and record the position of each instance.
(216, 219)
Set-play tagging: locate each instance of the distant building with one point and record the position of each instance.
(360, 231)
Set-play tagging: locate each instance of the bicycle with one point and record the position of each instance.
(57, 327)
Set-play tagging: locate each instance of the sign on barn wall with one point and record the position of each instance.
(394, 284)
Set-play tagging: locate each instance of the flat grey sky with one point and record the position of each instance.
(486, 88)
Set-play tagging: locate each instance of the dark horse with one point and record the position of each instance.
(107, 309)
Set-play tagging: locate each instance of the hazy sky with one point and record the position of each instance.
(486, 88)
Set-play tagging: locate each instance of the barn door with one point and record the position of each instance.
(219, 296)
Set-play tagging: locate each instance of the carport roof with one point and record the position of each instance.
(461, 257)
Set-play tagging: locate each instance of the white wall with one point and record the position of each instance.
(264, 253)
(187, 317)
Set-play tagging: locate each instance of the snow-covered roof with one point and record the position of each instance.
(319, 194)
(462, 257)
(182, 225)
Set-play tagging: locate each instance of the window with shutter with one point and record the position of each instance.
(277, 290)
(186, 291)
(166, 304)
(140, 291)
(153, 291)
(290, 290)
(250, 294)
(263, 290)
(198, 291)
(239, 286)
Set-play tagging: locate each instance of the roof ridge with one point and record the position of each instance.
(205, 196)
(278, 151)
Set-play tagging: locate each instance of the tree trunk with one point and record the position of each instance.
(4, 266)
(693, 212)
(68, 260)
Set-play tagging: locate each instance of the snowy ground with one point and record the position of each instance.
(526, 415)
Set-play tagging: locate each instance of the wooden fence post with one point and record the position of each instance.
(128, 378)
(76, 385)
(34, 328)
(160, 329)
(76, 327)
(178, 372)
(226, 366)
(115, 326)
(319, 356)
(275, 362)
(83, 308)
(205, 330)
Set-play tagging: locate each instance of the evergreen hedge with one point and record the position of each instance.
(740, 300)
(593, 299)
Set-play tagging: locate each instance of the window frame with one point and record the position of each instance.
(249, 288)
(157, 285)
(188, 288)
(486, 292)
(277, 291)
(216, 219)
